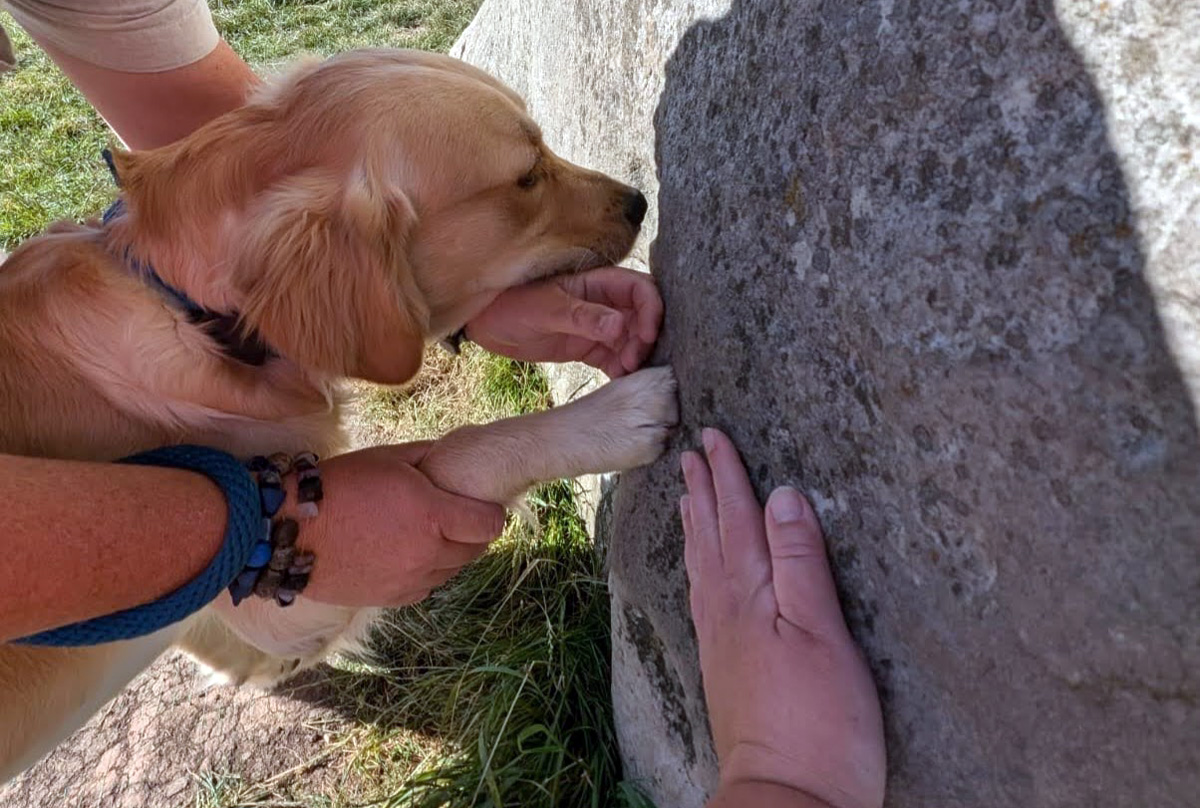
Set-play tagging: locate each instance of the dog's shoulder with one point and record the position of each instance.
(66, 254)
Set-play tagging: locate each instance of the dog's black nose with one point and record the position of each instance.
(635, 207)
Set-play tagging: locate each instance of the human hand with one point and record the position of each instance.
(792, 705)
(607, 317)
(385, 535)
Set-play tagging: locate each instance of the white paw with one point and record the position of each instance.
(636, 414)
(261, 670)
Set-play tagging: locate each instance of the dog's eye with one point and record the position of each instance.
(527, 181)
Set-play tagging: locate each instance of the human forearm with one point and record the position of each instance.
(153, 109)
(87, 539)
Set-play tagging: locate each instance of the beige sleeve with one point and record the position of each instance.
(135, 36)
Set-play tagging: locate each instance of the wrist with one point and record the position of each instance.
(314, 531)
(281, 562)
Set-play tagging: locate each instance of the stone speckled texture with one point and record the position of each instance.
(936, 264)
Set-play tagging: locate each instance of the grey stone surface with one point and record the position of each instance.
(937, 264)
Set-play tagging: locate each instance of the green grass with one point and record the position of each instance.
(51, 141)
(266, 32)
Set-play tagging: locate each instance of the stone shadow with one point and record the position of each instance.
(902, 271)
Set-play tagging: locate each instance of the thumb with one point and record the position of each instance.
(800, 571)
(470, 521)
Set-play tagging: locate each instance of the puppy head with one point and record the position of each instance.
(363, 204)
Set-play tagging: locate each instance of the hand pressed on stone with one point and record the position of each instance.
(607, 317)
(790, 699)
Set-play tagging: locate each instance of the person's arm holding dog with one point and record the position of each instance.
(378, 500)
(100, 528)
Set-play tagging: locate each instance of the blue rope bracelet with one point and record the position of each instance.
(243, 530)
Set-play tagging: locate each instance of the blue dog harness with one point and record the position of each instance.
(236, 341)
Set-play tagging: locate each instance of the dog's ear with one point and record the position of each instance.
(323, 267)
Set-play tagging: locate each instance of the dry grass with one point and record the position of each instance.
(449, 391)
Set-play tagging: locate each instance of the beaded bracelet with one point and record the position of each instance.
(276, 569)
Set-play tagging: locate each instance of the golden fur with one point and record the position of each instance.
(351, 211)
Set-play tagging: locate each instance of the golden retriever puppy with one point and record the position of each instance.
(349, 212)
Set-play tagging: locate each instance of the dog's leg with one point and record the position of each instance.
(230, 659)
(622, 425)
(48, 693)
(260, 644)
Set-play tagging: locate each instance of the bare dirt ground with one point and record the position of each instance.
(148, 745)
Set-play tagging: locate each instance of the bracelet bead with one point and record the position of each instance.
(276, 569)
(285, 532)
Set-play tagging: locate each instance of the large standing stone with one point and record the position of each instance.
(936, 263)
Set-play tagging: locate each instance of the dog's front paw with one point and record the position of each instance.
(638, 412)
(263, 672)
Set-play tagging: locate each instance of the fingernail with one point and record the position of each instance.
(688, 462)
(612, 324)
(684, 504)
(785, 505)
(709, 436)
